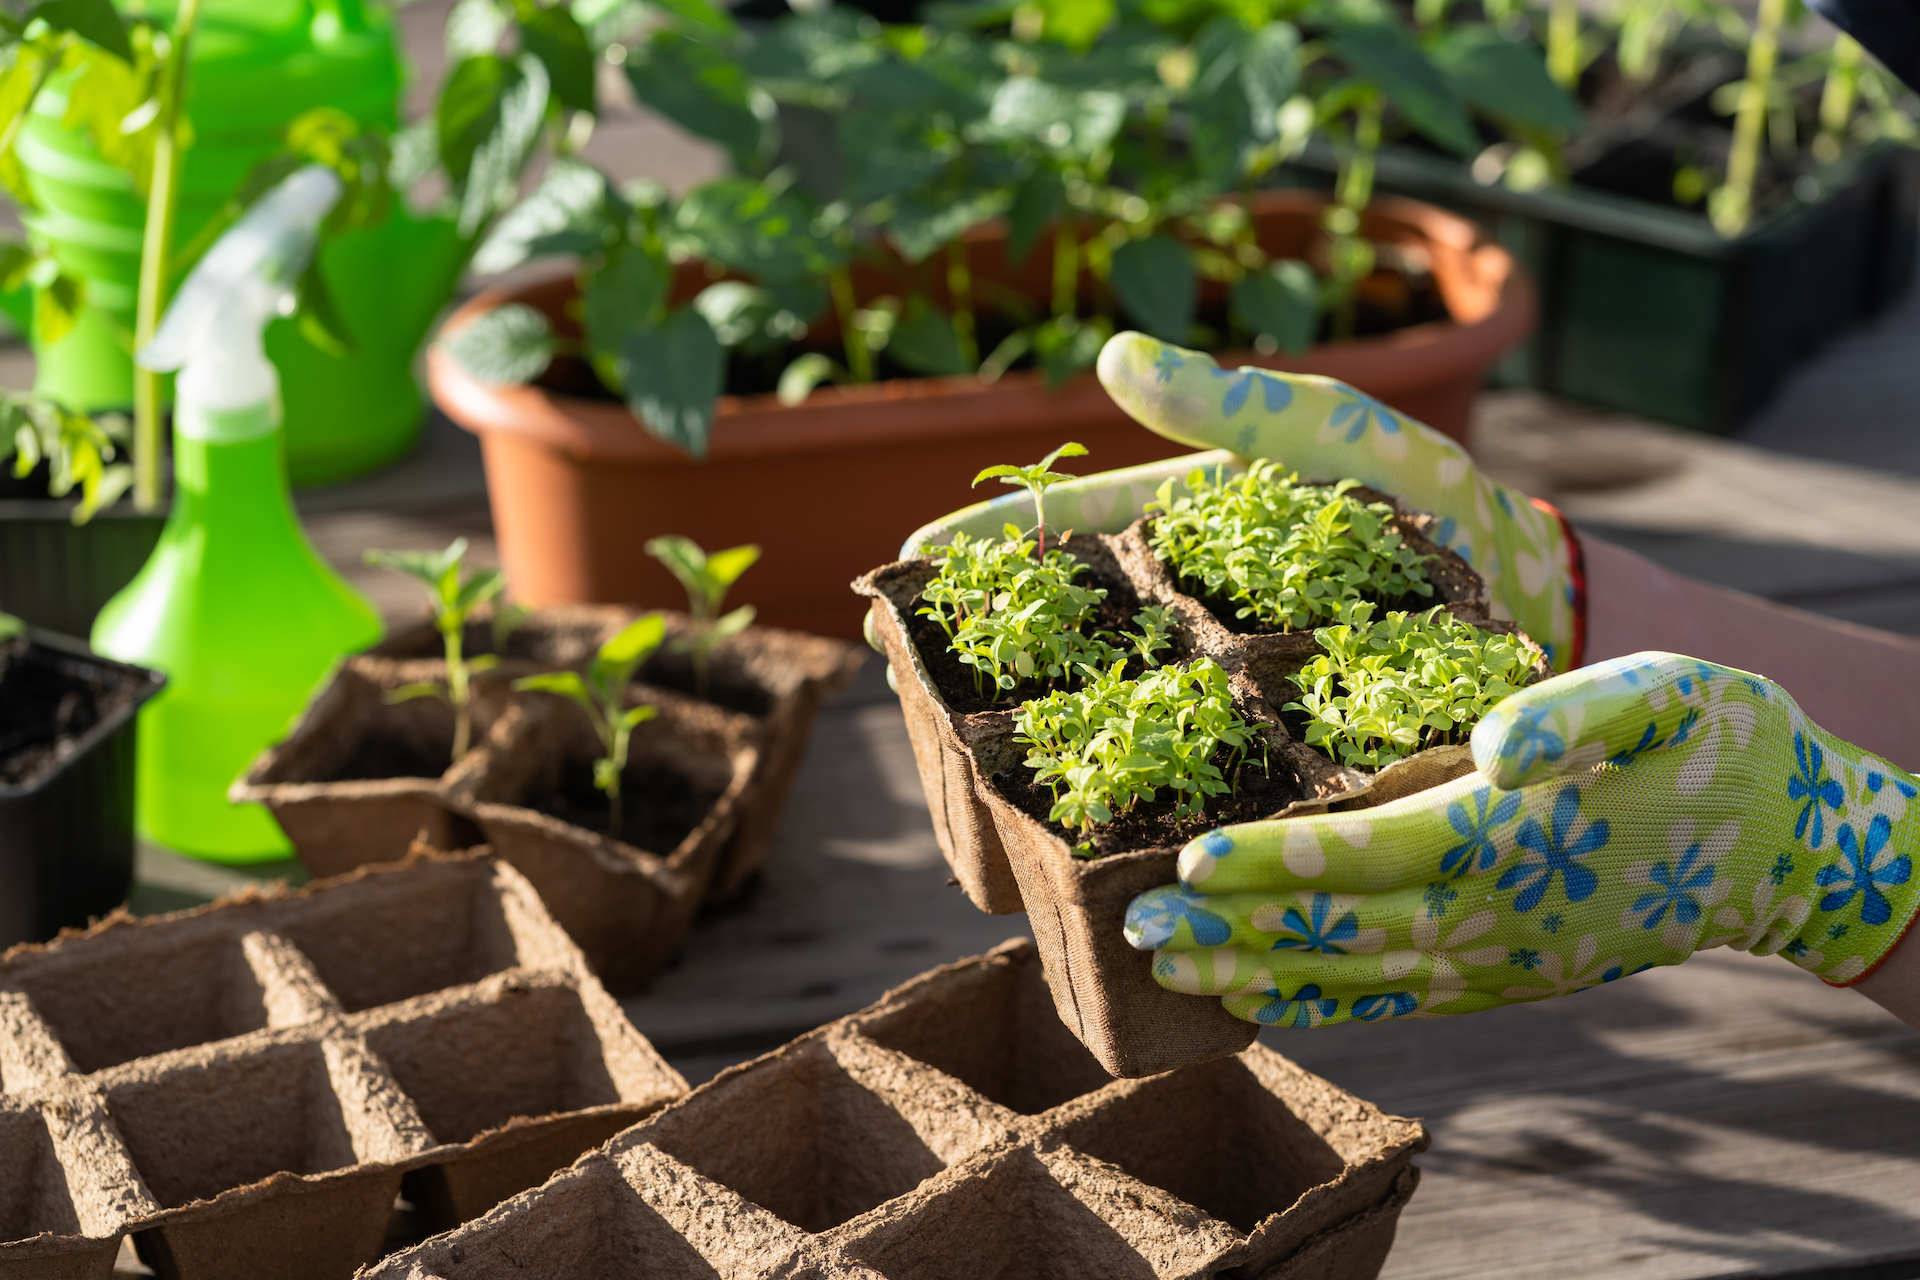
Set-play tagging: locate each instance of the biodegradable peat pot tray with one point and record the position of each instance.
(576, 484)
(1008, 858)
(68, 720)
(244, 1088)
(955, 1131)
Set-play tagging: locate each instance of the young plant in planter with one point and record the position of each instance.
(1380, 691)
(601, 693)
(454, 595)
(707, 579)
(1290, 555)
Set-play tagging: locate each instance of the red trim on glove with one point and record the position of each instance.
(1577, 579)
(1869, 971)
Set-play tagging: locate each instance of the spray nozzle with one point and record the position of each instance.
(212, 330)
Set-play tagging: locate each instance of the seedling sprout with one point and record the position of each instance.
(602, 694)
(1036, 480)
(707, 579)
(454, 597)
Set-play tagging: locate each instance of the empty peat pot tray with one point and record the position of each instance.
(245, 1088)
(955, 1130)
(990, 820)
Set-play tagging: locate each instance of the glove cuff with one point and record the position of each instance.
(1576, 582)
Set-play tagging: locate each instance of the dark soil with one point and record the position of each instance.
(726, 687)
(955, 681)
(47, 705)
(659, 804)
(386, 755)
(1150, 827)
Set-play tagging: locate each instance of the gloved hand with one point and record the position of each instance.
(1323, 430)
(1623, 816)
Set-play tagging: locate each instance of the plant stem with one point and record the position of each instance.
(1732, 205)
(1563, 43)
(1351, 257)
(458, 694)
(155, 249)
(859, 358)
(960, 291)
(1066, 270)
(1836, 98)
(11, 129)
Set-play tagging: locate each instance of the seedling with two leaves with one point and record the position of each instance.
(454, 594)
(1036, 480)
(707, 579)
(601, 693)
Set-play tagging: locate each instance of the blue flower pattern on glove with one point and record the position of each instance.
(1274, 393)
(1315, 932)
(1154, 917)
(1393, 1004)
(1476, 831)
(1358, 411)
(1857, 872)
(1528, 738)
(1812, 786)
(1679, 883)
(1555, 849)
(1303, 1008)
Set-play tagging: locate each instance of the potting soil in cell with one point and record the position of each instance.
(45, 707)
(660, 805)
(389, 756)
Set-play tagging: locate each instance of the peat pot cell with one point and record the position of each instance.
(197, 1132)
(1010, 1221)
(529, 1051)
(1169, 1132)
(135, 991)
(388, 938)
(586, 1222)
(411, 739)
(33, 1187)
(996, 1031)
(668, 789)
(801, 1138)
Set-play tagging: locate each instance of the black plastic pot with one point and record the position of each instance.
(1646, 309)
(55, 574)
(66, 836)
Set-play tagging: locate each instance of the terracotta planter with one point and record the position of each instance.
(1007, 860)
(831, 486)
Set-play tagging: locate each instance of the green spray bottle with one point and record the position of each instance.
(234, 605)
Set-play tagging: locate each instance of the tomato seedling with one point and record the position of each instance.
(454, 595)
(707, 579)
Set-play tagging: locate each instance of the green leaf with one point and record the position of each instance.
(613, 665)
(567, 684)
(430, 568)
(929, 221)
(11, 626)
(479, 589)
(748, 226)
(16, 259)
(926, 343)
(799, 378)
(725, 567)
(1075, 23)
(417, 689)
(1282, 302)
(1155, 280)
(636, 716)
(736, 310)
(1035, 202)
(888, 152)
(684, 560)
(1069, 123)
(318, 316)
(570, 212)
(623, 297)
(1241, 81)
(811, 48)
(95, 21)
(1065, 345)
(552, 36)
(731, 624)
(493, 175)
(1384, 54)
(1507, 79)
(469, 109)
(56, 308)
(701, 16)
(510, 344)
(673, 375)
(701, 89)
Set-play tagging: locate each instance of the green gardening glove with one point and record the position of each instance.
(1322, 430)
(1624, 816)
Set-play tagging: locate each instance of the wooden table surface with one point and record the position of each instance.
(1733, 1117)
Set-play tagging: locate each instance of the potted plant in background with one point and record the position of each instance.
(1742, 190)
(922, 294)
(67, 726)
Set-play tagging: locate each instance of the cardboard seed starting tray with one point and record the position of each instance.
(339, 820)
(956, 1131)
(1008, 861)
(243, 1087)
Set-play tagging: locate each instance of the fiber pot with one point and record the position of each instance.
(1007, 859)
(951, 1131)
(576, 484)
(66, 783)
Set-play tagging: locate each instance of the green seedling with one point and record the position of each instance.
(1291, 555)
(707, 579)
(1383, 690)
(454, 595)
(1036, 480)
(602, 695)
(1116, 743)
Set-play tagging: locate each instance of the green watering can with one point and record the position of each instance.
(256, 66)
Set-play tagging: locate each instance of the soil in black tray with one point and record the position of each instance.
(1151, 826)
(659, 804)
(386, 755)
(955, 680)
(46, 706)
